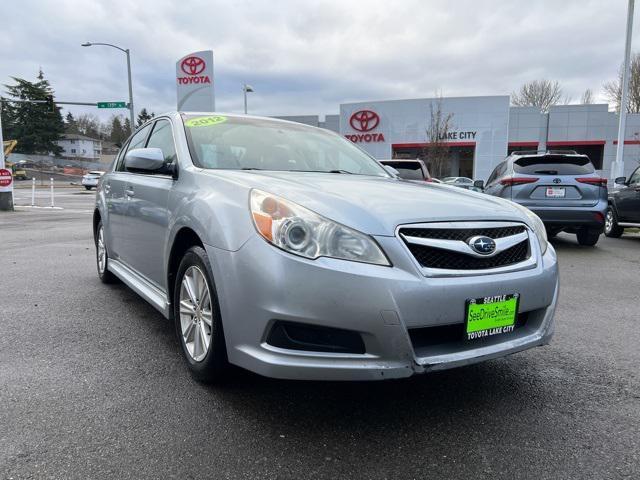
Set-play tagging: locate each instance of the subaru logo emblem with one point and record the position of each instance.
(482, 245)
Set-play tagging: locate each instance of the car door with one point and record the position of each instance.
(628, 199)
(147, 209)
(114, 186)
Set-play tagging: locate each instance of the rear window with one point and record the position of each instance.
(553, 165)
(407, 170)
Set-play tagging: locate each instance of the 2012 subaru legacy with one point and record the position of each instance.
(288, 251)
(561, 187)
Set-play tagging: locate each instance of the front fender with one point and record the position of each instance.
(218, 213)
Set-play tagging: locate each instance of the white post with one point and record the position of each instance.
(33, 191)
(617, 168)
(52, 202)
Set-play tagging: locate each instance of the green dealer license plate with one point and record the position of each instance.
(489, 316)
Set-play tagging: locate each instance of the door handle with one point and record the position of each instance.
(129, 192)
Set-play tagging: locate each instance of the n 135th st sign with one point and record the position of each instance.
(112, 105)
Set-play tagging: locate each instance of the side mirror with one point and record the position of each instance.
(392, 170)
(620, 180)
(145, 160)
(479, 184)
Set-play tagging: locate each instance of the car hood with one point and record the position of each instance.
(376, 205)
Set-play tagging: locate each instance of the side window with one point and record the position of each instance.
(635, 177)
(493, 176)
(502, 169)
(162, 138)
(137, 141)
(497, 172)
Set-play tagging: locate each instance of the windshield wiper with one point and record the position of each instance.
(251, 168)
(547, 172)
(341, 171)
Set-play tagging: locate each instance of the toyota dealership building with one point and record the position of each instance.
(483, 130)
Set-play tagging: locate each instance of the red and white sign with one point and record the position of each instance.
(194, 78)
(6, 179)
(365, 121)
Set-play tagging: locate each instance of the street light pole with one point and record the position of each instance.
(131, 115)
(617, 169)
(127, 53)
(246, 88)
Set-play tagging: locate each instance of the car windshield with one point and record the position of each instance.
(407, 170)
(553, 165)
(242, 143)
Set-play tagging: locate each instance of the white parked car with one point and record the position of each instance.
(90, 179)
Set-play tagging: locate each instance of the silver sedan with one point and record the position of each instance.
(286, 250)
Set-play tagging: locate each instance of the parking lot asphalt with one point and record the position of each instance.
(92, 384)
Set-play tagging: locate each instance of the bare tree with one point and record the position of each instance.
(587, 97)
(613, 89)
(437, 152)
(539, 93)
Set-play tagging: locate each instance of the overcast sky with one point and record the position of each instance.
(306, 57)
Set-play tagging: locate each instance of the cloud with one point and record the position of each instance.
(307, 57)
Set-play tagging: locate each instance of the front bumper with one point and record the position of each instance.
(260, 284)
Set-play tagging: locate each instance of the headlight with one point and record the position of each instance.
(536, 224)
(300, 231)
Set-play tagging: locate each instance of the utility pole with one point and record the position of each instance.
(617, 168)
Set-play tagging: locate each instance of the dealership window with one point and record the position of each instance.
(73, 150)
(459, 159)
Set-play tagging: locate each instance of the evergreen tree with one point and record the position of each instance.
(126, 128)
(117, 135)
(143, 117)
(36, 126)
(70, 124)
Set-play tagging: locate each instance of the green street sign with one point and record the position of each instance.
(112, 104)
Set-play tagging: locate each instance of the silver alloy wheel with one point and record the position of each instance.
(196, 319)
(101, 251)
(608, 221)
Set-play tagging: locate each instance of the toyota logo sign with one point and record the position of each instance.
(364, 120)
(192, 65)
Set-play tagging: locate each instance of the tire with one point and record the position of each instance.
(101, 247)
(198, 302)
(588, 237)
(611, 227)
(88, 188)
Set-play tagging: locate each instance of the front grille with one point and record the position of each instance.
(463, 234)
(442, 258)
(431, 257)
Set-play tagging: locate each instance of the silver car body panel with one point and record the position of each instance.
(258, 284)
